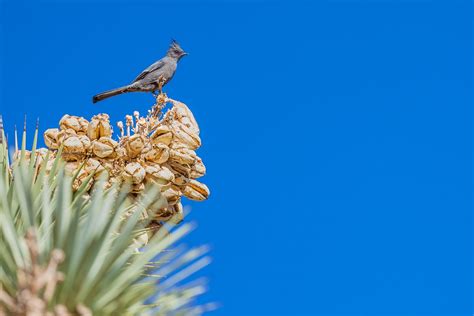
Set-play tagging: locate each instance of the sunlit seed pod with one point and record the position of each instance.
(158, 174)
(185, 116)
(183, 156)
(94, 166)
(99, 127)
(51, 138)
(172, 195)
(86, 142)
(162, 134)
(104, 147)
(196, 191)
(41, 154)
(134, 145)
(121, 153)
(73, 148)
(182, 134)
(158, 153)
(134, 173)
(178, 168)
(79, 180)
(180, 180)
(71, 167)
(78, 124)
(178, 212)
(198, 169)
(164, 213)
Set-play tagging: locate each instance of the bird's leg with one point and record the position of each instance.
(161, 82)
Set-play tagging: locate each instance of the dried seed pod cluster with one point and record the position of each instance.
(158, 149)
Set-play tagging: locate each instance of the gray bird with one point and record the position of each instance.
(153, 78)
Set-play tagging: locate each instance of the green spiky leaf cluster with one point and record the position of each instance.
(107, 268)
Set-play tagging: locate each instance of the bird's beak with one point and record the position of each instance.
(185, 54)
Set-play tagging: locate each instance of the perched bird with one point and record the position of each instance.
(153, 78)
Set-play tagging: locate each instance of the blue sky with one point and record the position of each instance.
(337, 137)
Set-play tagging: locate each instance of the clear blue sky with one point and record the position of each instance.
(337, 137)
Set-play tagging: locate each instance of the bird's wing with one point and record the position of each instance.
(155, 66)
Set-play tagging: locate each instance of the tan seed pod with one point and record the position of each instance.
(94, 166)
(79, 180)
(104, 147)
(198, 169)
(158, 174)
(158, 153)
(134, 145)
(76, 123)
(184, 135)
(73, 148)
(51, 138)
(185, 116)
(99, 127)
(162, 134)
(180, 180)
(178, 168)
(71, 167)
(183, 155)
(164, 213)
(172, 195)
(86, 142)
(41, 154)
(196, 191)
(178, 212)
(134, 172)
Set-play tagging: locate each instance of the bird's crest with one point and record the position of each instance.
(174, 44)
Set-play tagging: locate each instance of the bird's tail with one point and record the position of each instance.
(110, 93)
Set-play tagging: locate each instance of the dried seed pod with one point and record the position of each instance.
(198, 169)
(51, 138)
(184, 135)
(185, 116)
(162, 134)
(41, 154)
(158, 174)
(86, 142)
(73, 148)
(172, 195)
(178, 168)
(94, 166)
(79, 180)
(183, 155)
(196, 191)
(104, 147)
(134, 145)
(134, 172)
(99, 127)
(158, 153)
(180, 180)
(165, 213)
(178, 212)
(76, 123)
(70, 167)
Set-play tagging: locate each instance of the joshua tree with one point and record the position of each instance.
(76, 243)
